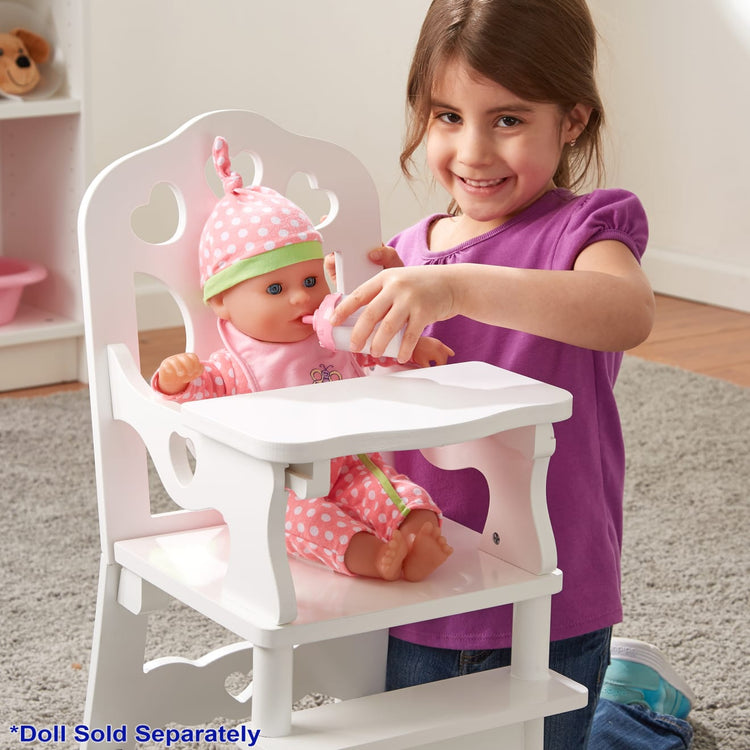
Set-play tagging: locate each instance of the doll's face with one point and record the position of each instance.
(270, 307)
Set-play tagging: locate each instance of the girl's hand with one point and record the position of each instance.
(385, 257)
(430, 351)
(398, 298)
(177, 371)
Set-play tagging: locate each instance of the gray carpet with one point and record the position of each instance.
(686, 562)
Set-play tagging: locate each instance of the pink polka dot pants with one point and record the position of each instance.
(320, 528)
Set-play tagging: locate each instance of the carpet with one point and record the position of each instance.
(686, 560)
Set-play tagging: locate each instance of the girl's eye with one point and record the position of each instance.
(310, 281)
(508, 121)
(274, 288)
(449, 117)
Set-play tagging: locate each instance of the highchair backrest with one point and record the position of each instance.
(113, 253)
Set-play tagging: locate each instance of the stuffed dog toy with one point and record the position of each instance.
(20, 51)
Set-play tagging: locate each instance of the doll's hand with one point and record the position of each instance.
(429, 350)
(398, 298)
(177, 371)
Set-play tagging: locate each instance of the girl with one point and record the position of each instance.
(262, 274)
(523, 273)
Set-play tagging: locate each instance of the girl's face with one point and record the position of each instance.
(270, 307)
(492, 151)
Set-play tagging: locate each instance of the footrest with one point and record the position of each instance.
(436, 712)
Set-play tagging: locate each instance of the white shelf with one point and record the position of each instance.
(32, 324)
(12, 109)
(43, 173)
(37, 348)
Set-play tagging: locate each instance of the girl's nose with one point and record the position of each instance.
(475, 148)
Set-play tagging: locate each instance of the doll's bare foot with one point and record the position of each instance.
(428, 550)
(391, 556)
(367, 556)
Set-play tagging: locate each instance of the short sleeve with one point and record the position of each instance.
(604, 215)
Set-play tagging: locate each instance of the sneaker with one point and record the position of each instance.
(640, 674)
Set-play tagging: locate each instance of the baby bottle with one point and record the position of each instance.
(337, 338)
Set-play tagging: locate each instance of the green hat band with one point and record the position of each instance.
(257, 265)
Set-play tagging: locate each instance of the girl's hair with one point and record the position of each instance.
(541, 50)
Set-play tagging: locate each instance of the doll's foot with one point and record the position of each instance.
(428, 550)
(391, 556)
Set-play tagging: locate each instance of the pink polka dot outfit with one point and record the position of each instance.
(321, 528)
(253, 231)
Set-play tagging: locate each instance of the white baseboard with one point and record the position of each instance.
(698, 279)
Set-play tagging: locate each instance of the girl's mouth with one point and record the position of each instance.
(483, 183)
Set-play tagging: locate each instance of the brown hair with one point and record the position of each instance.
(541, 50)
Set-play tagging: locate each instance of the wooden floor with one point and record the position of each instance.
(708, 340)
(700, 338)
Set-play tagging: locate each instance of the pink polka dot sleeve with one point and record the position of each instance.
(221, 377)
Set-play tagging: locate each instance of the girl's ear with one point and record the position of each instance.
(575, 121)
(216, 303)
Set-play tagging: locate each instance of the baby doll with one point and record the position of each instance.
(261, 263)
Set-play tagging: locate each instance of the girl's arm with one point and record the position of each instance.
(605, 303)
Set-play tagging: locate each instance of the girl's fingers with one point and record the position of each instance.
(377, 311)
(386, 257)
(408, 342)
(329, 266)
(390, 325)
(362, 295)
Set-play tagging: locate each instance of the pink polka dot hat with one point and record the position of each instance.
(251, 231)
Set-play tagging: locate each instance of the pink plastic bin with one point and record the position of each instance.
(15, 274)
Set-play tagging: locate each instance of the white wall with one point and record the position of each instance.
(333, 69)
(674, 74)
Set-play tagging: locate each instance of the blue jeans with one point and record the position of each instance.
(618, 727)
(583, 659)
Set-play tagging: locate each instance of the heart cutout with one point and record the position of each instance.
(158, 220)
(318, 203)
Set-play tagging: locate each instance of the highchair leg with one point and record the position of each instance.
(116, 673)
(530, 654)
(272, 690)
(125, 693)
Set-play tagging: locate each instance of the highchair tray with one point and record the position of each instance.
(418, 408)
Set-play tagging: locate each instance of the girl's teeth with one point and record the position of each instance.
(482, 183)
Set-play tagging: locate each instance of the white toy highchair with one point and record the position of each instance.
(227, 463)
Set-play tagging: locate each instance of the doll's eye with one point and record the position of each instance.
(274, 288)
(310, 281)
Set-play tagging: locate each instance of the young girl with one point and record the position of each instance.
(262, 274)
(525, 274)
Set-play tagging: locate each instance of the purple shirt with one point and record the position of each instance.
(586, 472)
